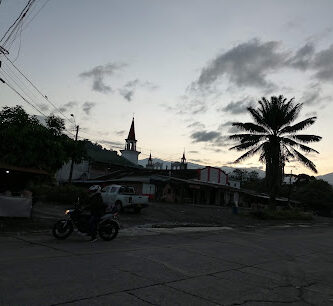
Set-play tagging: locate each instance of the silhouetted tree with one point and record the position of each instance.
(275, 138)
(26, 142)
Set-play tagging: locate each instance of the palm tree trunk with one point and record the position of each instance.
(273, 173)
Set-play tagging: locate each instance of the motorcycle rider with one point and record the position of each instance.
(97, 209)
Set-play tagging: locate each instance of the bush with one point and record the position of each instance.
(63, 194)
(290, 214)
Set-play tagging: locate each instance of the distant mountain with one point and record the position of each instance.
(143, 162)
(326, 177)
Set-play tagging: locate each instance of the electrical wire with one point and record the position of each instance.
(24, 99)
(35, 87)
(28, 22)
(10, 35)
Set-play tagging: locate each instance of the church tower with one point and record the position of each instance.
(183, 163)
(130, 152)
(150, 164)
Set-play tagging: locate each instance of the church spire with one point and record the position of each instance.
(130, 151)
(131, 133)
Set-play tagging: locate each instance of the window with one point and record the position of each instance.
(113, 190)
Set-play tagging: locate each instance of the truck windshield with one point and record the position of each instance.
(113, 190)
(126, 190)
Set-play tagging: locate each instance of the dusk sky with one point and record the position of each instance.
(186, 69)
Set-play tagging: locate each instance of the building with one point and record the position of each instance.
(182, 165)
(213, 175)
(99, 162)
(151, 165)
(130, 152)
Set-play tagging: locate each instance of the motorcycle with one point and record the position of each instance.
(107, 227)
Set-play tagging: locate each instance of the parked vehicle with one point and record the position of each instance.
(123, 197)
(107, 229)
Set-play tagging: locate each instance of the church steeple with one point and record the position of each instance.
(183, 159)
(130, 151)
(131, 134)
(150, 163)
(130, 140)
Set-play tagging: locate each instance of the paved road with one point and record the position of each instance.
(227, 267)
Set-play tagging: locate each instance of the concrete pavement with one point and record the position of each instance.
(274, 266)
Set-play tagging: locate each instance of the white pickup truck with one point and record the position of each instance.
(123, 197)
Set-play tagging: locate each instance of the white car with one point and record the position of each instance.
(123, 197)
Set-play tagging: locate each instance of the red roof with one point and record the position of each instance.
(131, 134)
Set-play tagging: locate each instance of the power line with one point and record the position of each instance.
(35, 87)
(24, 99)
(13, 29)
(27, 23)
(30, 103)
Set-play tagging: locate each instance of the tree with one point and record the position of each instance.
(316, 195)
(253, 175)
(239, 174)
(26, 142)
(274, 136)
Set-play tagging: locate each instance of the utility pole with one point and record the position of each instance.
(289, 191)
(72, 163)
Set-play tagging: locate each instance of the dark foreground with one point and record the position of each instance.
(274, 266)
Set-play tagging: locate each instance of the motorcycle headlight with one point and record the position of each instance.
(67, 212)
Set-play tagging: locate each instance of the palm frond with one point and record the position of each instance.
(305, 161)
(306, 138)
(248, 154)
(287, 153)
(248, 137)
(258, 118)
(292, 111)
(292, 143)
(249, 127)
(244, 146)
(298, 126)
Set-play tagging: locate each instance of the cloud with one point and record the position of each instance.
(238, 107)
(323, 65)
(121, 133)
(196, 125)
(204, 136)
(303, 57)
(193, 152)
(149, 85)
(98, 73)
(230, 129)
(311, 114)
(87, 106)
(246, 64)
(128, 90)
(127, 93)
(43, 107)
(213, 138)
(313, 96)
(112, 144)
(67, 106)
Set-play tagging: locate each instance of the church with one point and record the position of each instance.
(131, 154)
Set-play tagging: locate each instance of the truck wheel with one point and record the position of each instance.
(119, 206)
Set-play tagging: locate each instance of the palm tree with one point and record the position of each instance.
(274, 136)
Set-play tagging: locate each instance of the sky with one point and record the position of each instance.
(185, 69)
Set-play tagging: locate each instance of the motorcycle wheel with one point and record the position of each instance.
(62, 229)
(108, 230)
